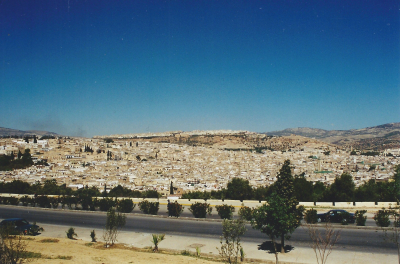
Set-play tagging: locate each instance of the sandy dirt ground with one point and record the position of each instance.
(63, 250)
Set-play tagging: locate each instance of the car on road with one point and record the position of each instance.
(337, 216)
(21, 226)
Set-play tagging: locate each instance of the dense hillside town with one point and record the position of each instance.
(195, 161)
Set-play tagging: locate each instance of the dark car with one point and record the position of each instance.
(336, 216)
(20, 225)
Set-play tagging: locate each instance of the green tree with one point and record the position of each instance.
(303, 189)
(342, 189)
(239, 189)
(280, 216)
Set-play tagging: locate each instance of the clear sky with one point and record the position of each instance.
(96, 67)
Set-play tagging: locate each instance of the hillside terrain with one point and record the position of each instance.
(375, 138)
(6, 132)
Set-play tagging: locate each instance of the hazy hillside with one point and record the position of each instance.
(14, 132)
(377, 137)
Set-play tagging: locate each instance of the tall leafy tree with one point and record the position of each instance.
(280, 216)
(342, 189)
(239, 189)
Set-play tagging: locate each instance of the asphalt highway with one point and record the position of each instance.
(361, 240)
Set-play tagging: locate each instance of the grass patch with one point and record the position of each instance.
(186, 253)
(29, 254)
(49, 240)
(64, 257)
(89, 244)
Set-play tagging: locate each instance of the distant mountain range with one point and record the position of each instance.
(5, 132)
(376, 138)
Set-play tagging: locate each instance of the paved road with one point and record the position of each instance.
(351, 239)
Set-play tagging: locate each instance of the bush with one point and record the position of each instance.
(200, 210)
(360, 218)
(54, 202)
(93, 235)
(311, 216)
(149, 207)
(86, 202)
(245, 213)
(43, 201)
(105, 204)
(382, 218)
(156, 240)
(344, 218)
(13, 200)
(125, 206)
(225, 211)
(71, 233)
(174, 209)
(24, 200)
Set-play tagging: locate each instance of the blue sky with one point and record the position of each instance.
(96, 67)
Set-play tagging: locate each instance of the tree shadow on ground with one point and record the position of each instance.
(269, 246)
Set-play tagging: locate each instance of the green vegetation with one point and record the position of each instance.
(149, 207)
(200, 210)
(114, 222)
(225, 211)
(174, 209)
(382, 218)
(8, 162)
(231, 250)
(281, 216)
(71, 233)
(245, 213)
(360, 217)
(310, 216)
(125, 206)
(156, 239)
(93, 236)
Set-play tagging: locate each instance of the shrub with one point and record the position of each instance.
(86, 201)
(4, 200)
(156, 240)
(200, 210)
(149, 207)
(71, 233)
(93, 235)
(225, 211)
(43, 201)
(24, 200)
(34, 230)
(54, 202)
(360, 218)
(344, 218)
(105, 204)
(125, 206)
(311, 216)
(245, 213)
(174, 209)
(382, 218)
(13, 200)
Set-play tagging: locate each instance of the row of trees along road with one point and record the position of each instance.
(341, 190)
